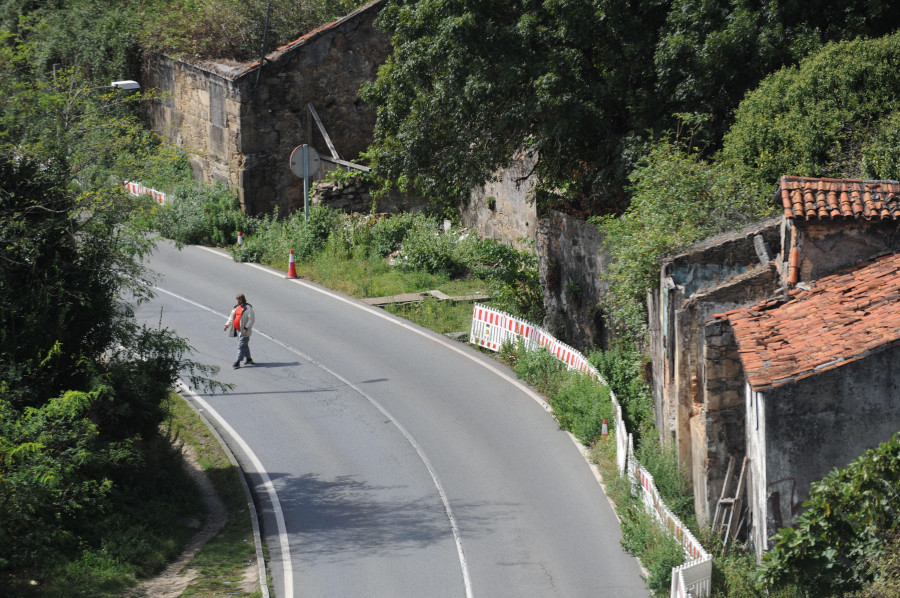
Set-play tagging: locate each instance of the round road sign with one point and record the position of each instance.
(297, 160)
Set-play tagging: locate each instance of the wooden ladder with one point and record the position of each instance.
(725, 523)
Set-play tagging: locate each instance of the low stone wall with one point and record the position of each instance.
(356, 196)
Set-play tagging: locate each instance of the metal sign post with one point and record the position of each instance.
(305, 182)
(304, 161)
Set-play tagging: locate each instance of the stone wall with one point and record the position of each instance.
(572, 263)
(718, 418)
(200, 113)
(356, 196)
(240, 122)
(725, 272)
(503, 209)
(325, 68)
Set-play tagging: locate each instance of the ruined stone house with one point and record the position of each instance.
(239, 122)
(799, 378)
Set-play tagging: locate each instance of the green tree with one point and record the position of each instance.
(827, 116)
(580, 84)
(471, 82)
(678, 198)
(81, 384)
(710, 54)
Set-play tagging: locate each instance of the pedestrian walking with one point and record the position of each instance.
(240, 322)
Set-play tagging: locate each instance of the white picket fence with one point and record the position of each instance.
(491, 328)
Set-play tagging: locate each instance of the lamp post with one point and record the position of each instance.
(127, 84)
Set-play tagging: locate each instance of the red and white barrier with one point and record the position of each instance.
(491, 328)
(137, 189)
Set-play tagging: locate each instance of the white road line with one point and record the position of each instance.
(267, 484)
(467, 582)
(378, 312)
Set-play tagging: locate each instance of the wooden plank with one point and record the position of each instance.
(416, 297)
(315, 115)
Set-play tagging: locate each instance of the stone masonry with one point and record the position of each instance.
(240, 122)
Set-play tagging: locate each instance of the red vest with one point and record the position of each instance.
(237, 316)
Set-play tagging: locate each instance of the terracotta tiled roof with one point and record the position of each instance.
(839, 319)
(817, 199)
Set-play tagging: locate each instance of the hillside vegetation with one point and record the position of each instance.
(665, 120)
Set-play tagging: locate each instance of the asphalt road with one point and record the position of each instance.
(387, 460)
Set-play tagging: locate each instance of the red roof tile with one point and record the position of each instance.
(820, 199)
(839, 320)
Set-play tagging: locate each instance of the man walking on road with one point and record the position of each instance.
(241, 323)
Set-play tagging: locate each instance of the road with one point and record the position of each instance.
(387, 460)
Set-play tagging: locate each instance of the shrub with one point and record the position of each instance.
(388, 233)
(849, 517)
(644, 537)
(580, 405)
(515, 285)
(426, 248)
(810, 119)
(540, 369)
(622, 368)
(203, 214)
(677, 199)
(661, 461)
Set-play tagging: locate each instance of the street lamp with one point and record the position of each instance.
(128, 84)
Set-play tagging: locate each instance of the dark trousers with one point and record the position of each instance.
(243, 348)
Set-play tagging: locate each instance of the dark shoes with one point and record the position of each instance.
(236, 364)
(248, 362)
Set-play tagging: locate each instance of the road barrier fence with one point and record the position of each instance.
(492, 328)
(138, 189)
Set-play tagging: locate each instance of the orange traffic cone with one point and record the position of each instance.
(292, 269)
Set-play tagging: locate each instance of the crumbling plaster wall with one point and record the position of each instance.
(828, 246)
(503, 208)
(676, 327)
(816, 424)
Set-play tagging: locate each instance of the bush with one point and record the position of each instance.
(811, 119)
(622, 368)
(274, 239)
(645, 538)
(661, 461)
(202, 214)
(388, 233)
(580, 405)
(849, 518)
(513, 276)
(677, 199)
(540, 369)
(426, 248)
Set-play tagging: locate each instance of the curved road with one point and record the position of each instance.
(387, 460)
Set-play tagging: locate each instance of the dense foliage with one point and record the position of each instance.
(81, 384)
(831, 115)
(107, 40)
(677, 198)
(581, 84)
(848, 522)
